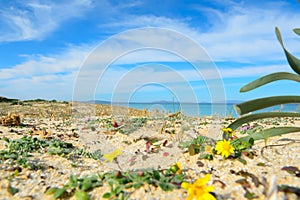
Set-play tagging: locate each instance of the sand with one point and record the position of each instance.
(90, 127)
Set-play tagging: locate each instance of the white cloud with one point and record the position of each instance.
(58, 72)
(240, 33)
(49, 76)
(43, 86)
(247, 33)
(148, 73)
(35, 20)
(121, 81)
(40, 65)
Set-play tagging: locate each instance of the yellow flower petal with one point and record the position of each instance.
(208, 149)
(203, 181)
(224, 148)
(111, 156)
(228, 131)
(199, 190)
(185, 185)
(210, 188)
(207, 196)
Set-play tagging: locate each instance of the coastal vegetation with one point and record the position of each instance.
(246, 108)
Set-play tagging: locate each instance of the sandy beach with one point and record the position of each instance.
(71, 139)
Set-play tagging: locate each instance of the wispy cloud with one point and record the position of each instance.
(54, 74)
(38, 65)
(50, 76)
(246, 32)
(238, 32)
(125, 79)
(30, 20)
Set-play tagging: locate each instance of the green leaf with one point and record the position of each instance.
(110, 183)
(59, 192)
(251, 141)
(86, 184)
(5, 139)
(81, 195)
(293, 61)
(12, 190)
(270, 78)
(73, 181)
(243, 145)
(118, 190)
(207, 156)
(242, 160)
(248, 118)
(250, 195)
(137, 185)
(156, 175)
(51, 190)
(257, 104)
(166, 186)
(297, 31)
(107, 195)
(278, 35)
(271, 132)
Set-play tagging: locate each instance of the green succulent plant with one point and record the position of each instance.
(261, 103)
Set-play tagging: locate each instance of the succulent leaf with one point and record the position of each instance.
(257, 104)
(293, 61)
(271, 132)
(248, 118)
(270, 78)
(297, 31)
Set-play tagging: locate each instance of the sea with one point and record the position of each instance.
(203, 109)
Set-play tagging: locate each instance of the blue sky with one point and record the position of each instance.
(53, 49)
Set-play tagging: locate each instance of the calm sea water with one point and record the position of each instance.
(202, 109)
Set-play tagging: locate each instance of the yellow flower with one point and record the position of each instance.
(176, 168)
(225, 148)
(111, 156)
(199, 190)
(228, 132)
(208, 149)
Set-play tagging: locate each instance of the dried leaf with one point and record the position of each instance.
(289, 189)
(260, 164)
(292, 170)
(254, 178)
(148, 145)
(223, 185)
(144, 157)
(165, 143)
(200, 164)
(165, 154)
(192, 150)
(244, 183)
(109, 132)
(132, 159)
